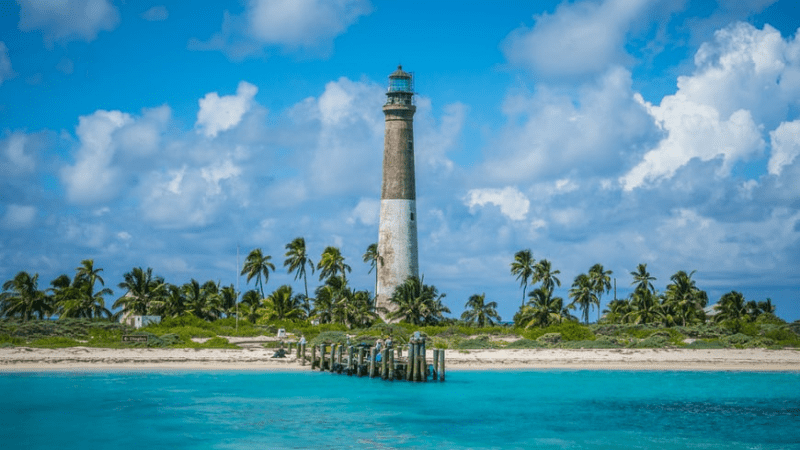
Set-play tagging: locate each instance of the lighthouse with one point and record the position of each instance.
(397, 234)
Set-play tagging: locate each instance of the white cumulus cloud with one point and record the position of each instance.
(745, 81)
(218, 114)
(302, 23)
(366, 211)
(577, 39)
(290, 25)
(93, 177)
(66, 20)
(785, 146)
(16, 158)
(513, 203)
(19, 216)
(550, 134)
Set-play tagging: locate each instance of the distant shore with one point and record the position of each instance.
(24, 359)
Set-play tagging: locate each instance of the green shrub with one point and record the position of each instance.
(739, 326)
(738, 339)
(329, 337)
(216, 342)
(55, 342)
(569, 331)
(707, 344)
(476, 343)
(11, 340)
(769, 318)
(550, 338)
(659, 339)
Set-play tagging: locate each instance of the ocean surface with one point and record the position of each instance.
(471, 410)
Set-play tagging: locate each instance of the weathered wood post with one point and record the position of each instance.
(435, 374)
(339, 351)
(391, 364)
(423, 360)
(302, 352)
(334, 347)
(372, 362)
(322, 348)
(411, 368)
(313, 356)
(384, 363)
(350, 350)
(441, 365)
(361, 352)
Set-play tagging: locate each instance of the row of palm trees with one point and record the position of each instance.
(682, 303)
(67, 297)
(542, 307)
(334, 301)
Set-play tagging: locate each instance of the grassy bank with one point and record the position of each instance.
(179, 333)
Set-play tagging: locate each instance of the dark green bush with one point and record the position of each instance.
(479, 342)
(329, 337)
(707, 344)
(11, 340)
(550, 338)
(54, 342)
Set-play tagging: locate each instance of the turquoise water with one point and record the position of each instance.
(471, 410)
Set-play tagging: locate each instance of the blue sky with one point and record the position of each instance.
(164, 134)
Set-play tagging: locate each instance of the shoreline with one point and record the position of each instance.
(87, 359)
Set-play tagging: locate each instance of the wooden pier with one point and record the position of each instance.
(387, 363)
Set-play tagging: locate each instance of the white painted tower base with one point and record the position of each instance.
(397, 245)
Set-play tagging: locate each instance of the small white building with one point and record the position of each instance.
(140, 321)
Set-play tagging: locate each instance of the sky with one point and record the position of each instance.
(170, 134)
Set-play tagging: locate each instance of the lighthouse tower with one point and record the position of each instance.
(397, 235)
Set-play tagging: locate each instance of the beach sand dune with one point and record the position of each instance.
(85, 358)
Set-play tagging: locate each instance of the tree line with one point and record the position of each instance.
(681, 304)
(335, 301)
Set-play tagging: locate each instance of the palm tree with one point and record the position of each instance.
(417, 303)
(173, 303)
(255, 265)
(542, 310)
(283, 304)
(642, 279)
(250, 306)
(684, 299)
(228, 299)
(80, 299)
(731, 306)
(144, 294)
(202, 301)
(372, 257)
(331, 300)
(644, 307)
(297, 259)
(601, 283)
(617, 310)
(766, 306)
(479, 312)
(22, 297)
(584, 294)
(361, 312)
(524, 268)
(331, 264)
(545, 273)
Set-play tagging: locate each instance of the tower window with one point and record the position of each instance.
(412, 216)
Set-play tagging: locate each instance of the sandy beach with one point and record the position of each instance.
(19, 359)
